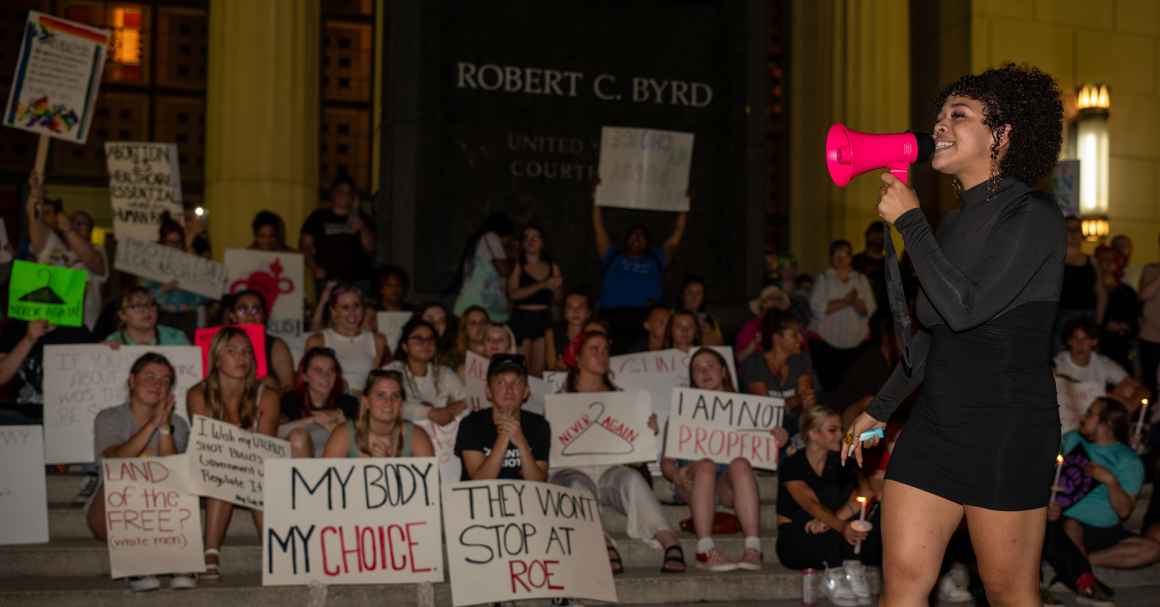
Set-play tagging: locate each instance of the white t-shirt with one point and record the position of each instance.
(57, 253)
(1100, 369)
(439, 386)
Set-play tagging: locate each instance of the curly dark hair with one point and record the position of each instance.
(1026, 98)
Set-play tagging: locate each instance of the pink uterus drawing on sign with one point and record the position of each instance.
(270, 284)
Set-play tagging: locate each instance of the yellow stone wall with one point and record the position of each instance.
(1080, 41)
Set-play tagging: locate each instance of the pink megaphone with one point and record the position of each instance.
(850, 153)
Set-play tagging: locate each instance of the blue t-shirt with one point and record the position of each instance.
(631, 282)
(1095, 508)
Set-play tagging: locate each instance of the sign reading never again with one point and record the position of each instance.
(40, 292)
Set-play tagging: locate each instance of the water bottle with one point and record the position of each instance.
(809, 587)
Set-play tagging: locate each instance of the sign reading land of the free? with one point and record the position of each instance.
(57, 78)
(514, 540)
(352, 521)
(644, 169)
(164, 264)
(81, 380)
(52, 293)
(144, 182)
(723, 426)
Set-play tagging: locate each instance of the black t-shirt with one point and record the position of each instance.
(292, 406)
(26, 387)
(337, 248)
(477, 432)
(833, 487)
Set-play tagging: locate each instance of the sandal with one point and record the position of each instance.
(614, 560)
(674, 560)
(212, 570)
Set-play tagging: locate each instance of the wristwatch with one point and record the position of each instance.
(166, 430)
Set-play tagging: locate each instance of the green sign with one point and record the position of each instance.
(45, 292)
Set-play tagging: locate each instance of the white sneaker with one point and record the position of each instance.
(144, 583)
(836, 589)
(950, 590)
(856, 578)
(182, 581)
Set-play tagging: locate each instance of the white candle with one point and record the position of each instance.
(1140, 422)
(862, 503)
(1055, 481)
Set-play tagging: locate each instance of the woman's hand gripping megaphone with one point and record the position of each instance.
(895, 198)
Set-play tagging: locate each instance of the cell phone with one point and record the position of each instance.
(878, 433)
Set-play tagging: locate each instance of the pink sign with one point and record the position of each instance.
(203, 338)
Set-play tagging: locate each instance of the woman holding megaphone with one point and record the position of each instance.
(984, 431)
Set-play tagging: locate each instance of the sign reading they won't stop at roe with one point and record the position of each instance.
(352, 521)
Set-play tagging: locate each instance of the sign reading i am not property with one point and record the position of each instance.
(722, 426)
(144, 182)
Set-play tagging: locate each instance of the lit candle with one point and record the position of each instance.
(1140, 422)
(1055, 482)
(862, 503)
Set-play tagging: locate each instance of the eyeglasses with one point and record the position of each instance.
(250, 309)
(419, 339)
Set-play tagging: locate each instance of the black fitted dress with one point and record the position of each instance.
(984, 430)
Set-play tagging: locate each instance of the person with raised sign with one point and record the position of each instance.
(434, 391)
(577, 312)
(818, 510)
(693, 299)
(249, 306)
(380, 429)
(317, 403)
(782, 370)
(231, 392)
(533, 287)
(145, 426)
(704, 483)
(504, 441)
(621, 488)
(358, 349)
(683, 332)
(138, 316)
(178, 307)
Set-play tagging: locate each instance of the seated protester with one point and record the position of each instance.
(358, 349)
(433, 391)
(380, 430)
(703, 484)
(504, 441)
(391, 286)
(618, 487)
(269, 232)
(1081, 362)
(577, 311)
(782, 370)
(816, 505)
(139, 326)
(693, 299)
(143, 427)
(749, 338)
(178, 308)
(473, 327)
(22, 366)
(231, 392)
(250, 306)
(683, 332)
(317, 404)
(868, 373)
(498, 339)
(446, 331)
(656, 321)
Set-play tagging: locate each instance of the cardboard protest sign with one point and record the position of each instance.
(165, 264)
(390, 324)
(203, 339)
(597, 428)
(475, 381)
(722, 426)
(554, 381)
(50, 293)
(659, 372)
(352, 521)
(57, 77)
(154, 522)
(1074, 398)
(278, 277)
(144, 182)
(226, 462)
(81, 380)
(23, 491)
(644, 169)
(513, 540)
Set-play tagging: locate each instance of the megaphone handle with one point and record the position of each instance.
(902, 172)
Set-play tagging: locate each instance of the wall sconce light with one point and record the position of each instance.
(127, 36)
(1093, 103)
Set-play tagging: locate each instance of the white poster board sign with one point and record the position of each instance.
(154, 522)
(659, 372)
(644, 169)
(1074, 398)
(144, 182)
(352, 521)
(164, 264)
(598, 428)
(279, 277)
(23, 491)
(80, 381)
(443, 440)
(514, 540)
(475, 383)
(57, 78)
(722, 426)
(226, 462)
(391, 326)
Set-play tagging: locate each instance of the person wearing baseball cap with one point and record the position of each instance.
(504, 441)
